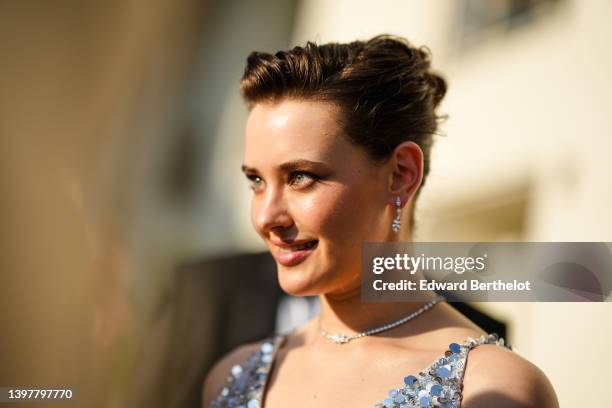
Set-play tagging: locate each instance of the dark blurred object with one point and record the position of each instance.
(219, 304)
(483, 320)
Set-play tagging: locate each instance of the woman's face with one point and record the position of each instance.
(316, 196)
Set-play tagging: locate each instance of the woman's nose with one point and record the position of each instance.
(272, 212)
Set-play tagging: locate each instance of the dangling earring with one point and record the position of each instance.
(395, 226)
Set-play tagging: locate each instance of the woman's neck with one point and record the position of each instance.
(346, 313)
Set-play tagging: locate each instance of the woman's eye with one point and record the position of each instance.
(302, 178)
(254, 181)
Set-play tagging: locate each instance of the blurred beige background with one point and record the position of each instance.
(120, 149)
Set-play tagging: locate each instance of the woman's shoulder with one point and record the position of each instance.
(497, 376)
(218, 375)
(494, 374)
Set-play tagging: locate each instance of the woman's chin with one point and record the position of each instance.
(296, 283)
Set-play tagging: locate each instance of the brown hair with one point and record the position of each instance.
(385, 88)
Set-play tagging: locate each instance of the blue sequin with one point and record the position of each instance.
(443, 372)
(253, 404)
(454, 347)
(409, 380)
(267, 347)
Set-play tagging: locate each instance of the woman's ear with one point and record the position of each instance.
(406, 172)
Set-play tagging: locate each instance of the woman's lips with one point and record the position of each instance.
(289, 255)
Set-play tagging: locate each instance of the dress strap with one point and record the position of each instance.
(471, 344)
(246, 381)
(441, 383)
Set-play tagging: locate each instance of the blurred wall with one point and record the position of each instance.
(79, 83)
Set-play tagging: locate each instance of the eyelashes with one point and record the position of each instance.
(302, 178)
(254, 181)
(296, 179)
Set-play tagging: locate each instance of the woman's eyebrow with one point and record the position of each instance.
(247, 169)
(288, 166)
(299, 164)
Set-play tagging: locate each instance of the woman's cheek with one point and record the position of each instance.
(332, 215)
(315, 212)
(255, 208)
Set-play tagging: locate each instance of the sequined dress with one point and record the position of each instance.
(438, 385)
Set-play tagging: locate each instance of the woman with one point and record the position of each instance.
(337, 147)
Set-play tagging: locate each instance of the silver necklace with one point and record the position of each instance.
(341, 338)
